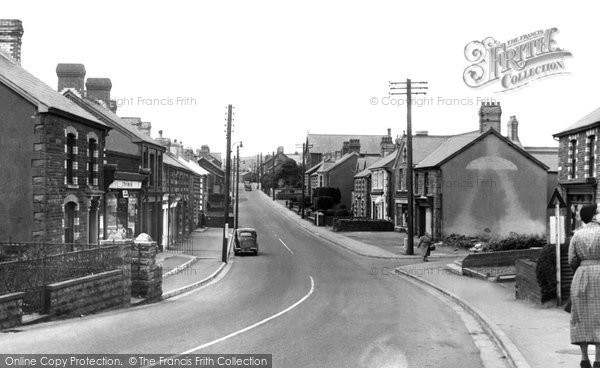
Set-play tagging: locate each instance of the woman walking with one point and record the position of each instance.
(584, 257)
(425, 245)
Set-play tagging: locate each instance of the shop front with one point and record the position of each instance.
(578, 194)
(122, 201)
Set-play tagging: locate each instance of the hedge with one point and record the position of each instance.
(353, 224)
(545, 270)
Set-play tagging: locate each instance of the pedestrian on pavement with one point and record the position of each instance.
(584, 257)
(425, 244)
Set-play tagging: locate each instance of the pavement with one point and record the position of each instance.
(528, 334)
(192, 263)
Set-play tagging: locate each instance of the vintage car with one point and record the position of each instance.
(245, 241)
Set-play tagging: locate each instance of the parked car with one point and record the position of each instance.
(245, 241)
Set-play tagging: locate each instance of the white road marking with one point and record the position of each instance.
(312, 288)
(286, 247)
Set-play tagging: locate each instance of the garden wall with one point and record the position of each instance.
(340, 224)
(499, 259)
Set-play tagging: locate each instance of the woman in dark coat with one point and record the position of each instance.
(584, 256)
(425, 245)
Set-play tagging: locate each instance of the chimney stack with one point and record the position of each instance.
(489, 116)
(146, 128)
(387, 145)
(11, 32)
(345, 147)
(163, 141)
(389, 132)
(354, 145)
(71, 76)
(98, 89)
(513, 130)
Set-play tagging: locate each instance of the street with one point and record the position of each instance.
(302, 299)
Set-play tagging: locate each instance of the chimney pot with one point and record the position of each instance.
(98, 89)
(70, 76)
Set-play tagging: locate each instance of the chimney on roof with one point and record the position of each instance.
(345, 147)
(70, 76)
(513, 130)
(188, 154)
(280, 149)
(163, 141)
(389, 132)
(354, 145)
(11, 32)
(146, 128)
(387, 145)
(489, 116)
(98, 89)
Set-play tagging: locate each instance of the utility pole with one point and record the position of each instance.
(273, 176)
(305, 147)
(237, 190)
(407, 89)
(227, 179)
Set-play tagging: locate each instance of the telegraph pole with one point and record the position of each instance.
(305, 147)
(273, 176)
(227, 181)
(406, 88)
(237, 190)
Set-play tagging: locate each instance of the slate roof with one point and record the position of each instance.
(38, 92)
(385, 161)
(363, 174)
(193, 166)
(547, 155)
(333, 142)
(171, 160)
(314, 168)
(137, 136)
(591, 119)
(324, 166)
(208, 165)
(342, 159)
(450, 146)
(424, 145)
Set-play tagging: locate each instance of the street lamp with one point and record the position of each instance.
(237, 185)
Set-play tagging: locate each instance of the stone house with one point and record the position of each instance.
(52, 159)
(339, 174)
(133, 171)
(578, 166)
(478, 182)
(382, 188)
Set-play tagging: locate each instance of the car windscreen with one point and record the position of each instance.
(246, 234)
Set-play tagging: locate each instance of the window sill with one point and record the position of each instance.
(72, 186)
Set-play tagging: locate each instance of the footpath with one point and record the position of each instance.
(192, 263)
(529, 335)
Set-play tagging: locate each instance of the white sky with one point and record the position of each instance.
(305, 66)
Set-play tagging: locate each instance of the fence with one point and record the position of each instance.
(29, 267)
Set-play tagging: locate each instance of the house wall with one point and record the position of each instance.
(56, 192)
(342, 177)
(493, 187)
(20, 131)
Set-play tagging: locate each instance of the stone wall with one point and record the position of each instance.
(499, 259)
(10, 310)
(526, 286)
(341, 224)
(86, 294)
(146, 274)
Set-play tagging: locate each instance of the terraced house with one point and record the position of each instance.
(578, 166)
(51, 153)
(133, 170)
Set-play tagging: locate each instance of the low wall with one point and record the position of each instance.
(362, 225)
(11, 314)
(499, 259)
(526, 285)
(146, 274)
(86, 294)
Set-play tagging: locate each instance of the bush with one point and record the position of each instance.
(328, 192)
(323, 203)
(517, 241)
(341, 213)
(545, 270)
(458, 241)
